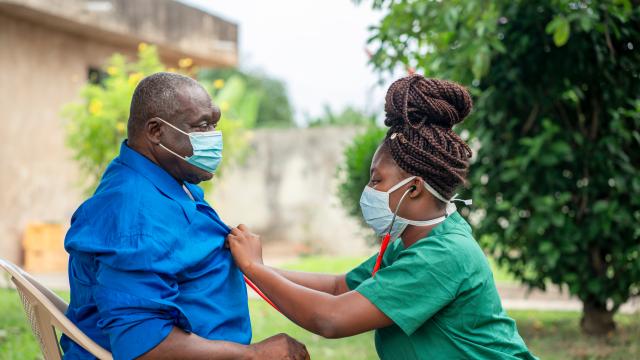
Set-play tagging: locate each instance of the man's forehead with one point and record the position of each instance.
(194, 102)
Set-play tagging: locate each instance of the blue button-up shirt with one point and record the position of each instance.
(144, 257)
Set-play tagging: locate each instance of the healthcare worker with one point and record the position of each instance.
(430, 294)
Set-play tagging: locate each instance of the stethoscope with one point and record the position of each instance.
(383, 248)
(387, 237)
(383, 245)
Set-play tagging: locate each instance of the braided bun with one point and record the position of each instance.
(417, 101)
(420, 113)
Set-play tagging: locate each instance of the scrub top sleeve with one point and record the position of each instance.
(423, 280)
(136, 309)
(360, 273)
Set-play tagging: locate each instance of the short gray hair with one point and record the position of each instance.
(156, 96)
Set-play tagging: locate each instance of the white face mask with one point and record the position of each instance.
(377, 214)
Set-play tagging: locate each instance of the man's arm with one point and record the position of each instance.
(182, 345)
(327, 283)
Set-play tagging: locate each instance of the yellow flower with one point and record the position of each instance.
(224, 106)
(218, 83)
(112, 70)
(185, 63)
(120, 127)
(95, 107)
(135, 78)
(172, 69)
(142, 46)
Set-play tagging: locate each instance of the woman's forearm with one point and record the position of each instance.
(327, 283)
(320, 312)
(315, 310)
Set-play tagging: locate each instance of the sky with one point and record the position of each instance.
(316, 47)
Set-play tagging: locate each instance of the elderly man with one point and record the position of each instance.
(149, 272)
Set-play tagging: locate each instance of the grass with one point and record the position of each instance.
(549, 334)
(337, 265)
(17, 342)
(555, 335)
(325, 264)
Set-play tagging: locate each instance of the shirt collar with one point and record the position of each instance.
(450, 224)
(159, 177)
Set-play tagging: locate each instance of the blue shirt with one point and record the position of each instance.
(144, 257)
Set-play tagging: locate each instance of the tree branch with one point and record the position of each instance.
(530, 119)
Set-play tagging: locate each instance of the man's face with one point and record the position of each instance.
(197, 114)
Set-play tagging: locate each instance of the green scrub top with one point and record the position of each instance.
(441, 296)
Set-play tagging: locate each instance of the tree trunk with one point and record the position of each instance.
(596, 319)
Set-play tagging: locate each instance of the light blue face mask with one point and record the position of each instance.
(207, 149)
(377, 214)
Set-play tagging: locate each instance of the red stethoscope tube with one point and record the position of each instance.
(262, 295)
(376, 267)
(383, 248)
(387, 238)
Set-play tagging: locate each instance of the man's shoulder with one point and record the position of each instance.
(116, 208)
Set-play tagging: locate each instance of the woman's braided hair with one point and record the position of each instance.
(420, 113)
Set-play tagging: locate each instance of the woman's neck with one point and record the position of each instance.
(412, 233)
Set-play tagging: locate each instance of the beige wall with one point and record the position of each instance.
(40, 70)
(286, 191)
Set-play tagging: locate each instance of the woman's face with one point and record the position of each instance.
(385, 173)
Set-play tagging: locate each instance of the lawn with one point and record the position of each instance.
(549, 334)
(340, 264)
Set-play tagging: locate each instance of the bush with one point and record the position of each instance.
(353, 175)
(557, 175)
(274, 109)
(349, 116)
(96, 125)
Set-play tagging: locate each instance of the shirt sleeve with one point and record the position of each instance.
(421, 281)
(362, 272)
(136, 307)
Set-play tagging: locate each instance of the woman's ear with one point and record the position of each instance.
(416, 187)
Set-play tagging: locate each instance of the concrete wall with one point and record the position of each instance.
(178, 29)
(42, 67)
(286, 191)
(40, 70)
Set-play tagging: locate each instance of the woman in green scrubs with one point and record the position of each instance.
(429, 293)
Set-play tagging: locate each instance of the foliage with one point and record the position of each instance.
(96, 125)
(353, 175)
(349, 116)
(557, 116)
(274, 109)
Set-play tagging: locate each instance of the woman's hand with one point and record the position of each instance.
(245, 247)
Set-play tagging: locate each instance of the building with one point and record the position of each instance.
(48, 48)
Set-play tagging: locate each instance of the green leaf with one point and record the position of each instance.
(561, 32)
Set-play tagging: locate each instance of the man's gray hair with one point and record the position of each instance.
(156, 96)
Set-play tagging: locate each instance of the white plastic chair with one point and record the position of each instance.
(45, 311)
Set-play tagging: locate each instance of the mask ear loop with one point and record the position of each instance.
(387, 238)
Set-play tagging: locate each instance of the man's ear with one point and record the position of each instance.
(417, 187)
(153, 130)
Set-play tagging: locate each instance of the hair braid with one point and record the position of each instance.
(420, 113)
